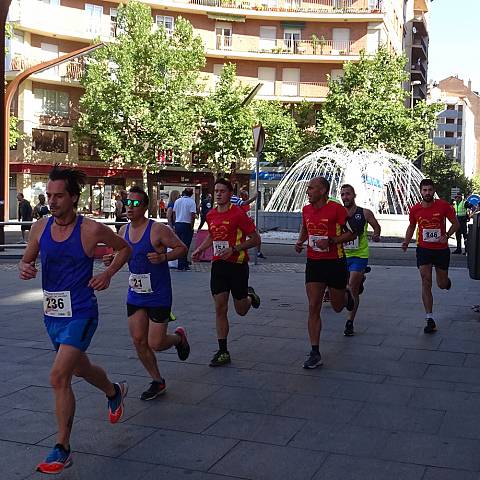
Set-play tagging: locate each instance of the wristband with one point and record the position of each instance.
(235, 249)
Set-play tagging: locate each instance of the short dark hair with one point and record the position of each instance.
(74, 180)
(140, 191)
(224, 181)
(426, 182)
(324, 182)
(347, 185)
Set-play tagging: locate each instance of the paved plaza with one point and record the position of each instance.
(389, 403)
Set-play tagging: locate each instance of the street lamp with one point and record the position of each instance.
(412, 84)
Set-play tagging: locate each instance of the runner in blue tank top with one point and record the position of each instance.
(149, 298)
(66, 243)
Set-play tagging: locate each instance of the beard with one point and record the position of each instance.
(427, 198)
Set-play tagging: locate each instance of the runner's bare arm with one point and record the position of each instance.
(164, 237)
(373, 222)
(26, 266)
(408, 235)
(108, 258)
(205, 244)
(302, 236)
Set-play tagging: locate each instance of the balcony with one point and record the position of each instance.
(248, 47)
(419, 70)
(420, 43)
(279, 90)
(62, 22)
(69, 72)
(302, 6)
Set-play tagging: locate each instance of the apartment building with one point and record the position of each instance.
(458, 124)
(291, 46)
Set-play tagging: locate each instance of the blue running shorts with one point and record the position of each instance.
(357, 264)
(77, 333)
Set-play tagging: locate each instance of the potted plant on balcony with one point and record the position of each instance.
(315, 42)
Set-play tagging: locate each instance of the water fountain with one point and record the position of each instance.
(384, 182)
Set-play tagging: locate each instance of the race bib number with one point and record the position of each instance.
(57, 304)
(431, 235)
(313, 242)
(351, 245)
(219, 246)
(140, 283)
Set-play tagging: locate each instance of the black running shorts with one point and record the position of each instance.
(156, 314)
(334, 273)
(229, 277)
(438, 258)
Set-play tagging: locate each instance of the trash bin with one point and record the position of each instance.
(473, 248)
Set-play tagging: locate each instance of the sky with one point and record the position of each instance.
(454, 47)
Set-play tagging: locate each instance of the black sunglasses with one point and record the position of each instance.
(133, 203)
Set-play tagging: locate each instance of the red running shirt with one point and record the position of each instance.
(431, 223)
(228, 229)
(321, 223)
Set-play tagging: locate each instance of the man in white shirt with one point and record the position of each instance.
(184, 211)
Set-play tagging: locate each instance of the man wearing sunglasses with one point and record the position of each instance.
(149, 298)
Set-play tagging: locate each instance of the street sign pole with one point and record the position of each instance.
(259, 142)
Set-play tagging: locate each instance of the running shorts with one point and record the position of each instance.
(357, 264)
(77, 333)
(438, 258)
(333, 273)
(229, 277)
(155, 314)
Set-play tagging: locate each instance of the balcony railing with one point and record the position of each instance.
(308, 6)
(71, 71)
(418, 67)
(288, 47)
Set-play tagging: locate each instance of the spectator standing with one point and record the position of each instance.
(205, 207)
(25, 214)
(184, 212)
(121, 209)
(460, 207)
(161, 208)
(174, 194)
(41, 209)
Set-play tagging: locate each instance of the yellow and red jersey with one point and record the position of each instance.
(229, 229)
(322, 223)
(431, 223)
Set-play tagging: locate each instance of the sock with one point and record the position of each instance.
(429, 316)
(315, 349)
(117, 392)
(222, 344)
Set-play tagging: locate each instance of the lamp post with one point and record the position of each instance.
(4, 6)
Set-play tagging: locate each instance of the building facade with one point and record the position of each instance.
(458, 124)
(291, 46)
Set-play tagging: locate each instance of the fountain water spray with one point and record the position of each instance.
(384, 182)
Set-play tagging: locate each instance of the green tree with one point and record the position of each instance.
(283, 142)
(140, 90)
(446, 172)
(226, 132)
(366, 108)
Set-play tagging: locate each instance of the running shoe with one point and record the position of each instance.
(116, 404)
(154, 390)
(220, 358)
(348, 332)
(57, 460)
(449, 286)
(350, 301)
(457, 252)
(313, 360)
(183, 348)
(430, 327)
(255, 298)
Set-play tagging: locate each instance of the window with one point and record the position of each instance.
(450, 120)
(450, 107)
(87, 148)
(113, 22)
(49, 141)
(51, 102)
(165, 157)
(166, 22)
(223, 34)
(51, 2)
(94, 18)
(449, 134)
(291, 39)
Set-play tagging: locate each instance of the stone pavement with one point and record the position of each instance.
(389, 403)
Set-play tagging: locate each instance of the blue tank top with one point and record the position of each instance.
(161, 294)
(66, 268)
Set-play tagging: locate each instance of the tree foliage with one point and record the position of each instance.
(283, 136)
(366, 108)
(446, 172)
(225, 135)
(140, 90)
